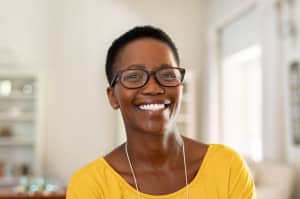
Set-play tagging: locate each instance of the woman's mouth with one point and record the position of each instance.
(153, 107)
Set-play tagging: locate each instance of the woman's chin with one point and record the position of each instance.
(155, 128)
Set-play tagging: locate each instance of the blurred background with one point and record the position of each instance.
(242, 88)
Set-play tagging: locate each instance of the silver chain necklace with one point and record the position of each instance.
(135, 181)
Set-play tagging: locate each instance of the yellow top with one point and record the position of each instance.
(223, 174)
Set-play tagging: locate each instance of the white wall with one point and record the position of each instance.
(22, 42)
(80, 123)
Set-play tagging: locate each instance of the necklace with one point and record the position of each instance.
(135, 181)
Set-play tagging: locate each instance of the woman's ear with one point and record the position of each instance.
(112, 98)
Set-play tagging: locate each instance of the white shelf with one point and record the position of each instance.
(25, 117)
(17, 97)
(9, 181)
(12, 142)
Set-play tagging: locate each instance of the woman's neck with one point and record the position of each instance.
(154, 150)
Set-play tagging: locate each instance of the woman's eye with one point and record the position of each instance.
(133, 77)
(168, 75)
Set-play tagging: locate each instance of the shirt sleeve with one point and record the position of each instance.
(83, 186)
(241, 183)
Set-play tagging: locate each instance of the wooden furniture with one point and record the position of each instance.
(58, 196)
(33, 197)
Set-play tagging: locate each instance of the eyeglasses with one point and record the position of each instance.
(137, 78)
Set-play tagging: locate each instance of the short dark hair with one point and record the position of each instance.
(131, 35)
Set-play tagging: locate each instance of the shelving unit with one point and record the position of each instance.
(18, 125)
(294, 88)
(186, 117)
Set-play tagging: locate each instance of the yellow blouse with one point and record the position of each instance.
(222, 175)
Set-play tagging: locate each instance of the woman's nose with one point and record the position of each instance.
(152, 87)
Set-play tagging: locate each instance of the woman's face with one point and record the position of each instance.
(151, 108)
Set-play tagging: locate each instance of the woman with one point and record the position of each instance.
(145, 84)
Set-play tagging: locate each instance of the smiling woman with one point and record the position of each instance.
(145, 84)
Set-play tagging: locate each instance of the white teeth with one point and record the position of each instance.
(152, 107)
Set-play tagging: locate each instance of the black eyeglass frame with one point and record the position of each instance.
(149, 73)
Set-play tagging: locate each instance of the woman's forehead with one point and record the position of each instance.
(145, 51)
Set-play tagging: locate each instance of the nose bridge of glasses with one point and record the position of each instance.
(152, 84)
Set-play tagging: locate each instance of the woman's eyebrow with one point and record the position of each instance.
(142, 66)
(136, 66)
(166, 66)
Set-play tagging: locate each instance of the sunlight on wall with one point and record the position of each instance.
(242, 101)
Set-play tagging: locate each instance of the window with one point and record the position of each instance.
(242, 101)
(241, 85)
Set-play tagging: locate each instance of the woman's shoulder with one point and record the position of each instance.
(89, 171)
(85, 179)
(100, 167)
(219, 152)
(223, 152)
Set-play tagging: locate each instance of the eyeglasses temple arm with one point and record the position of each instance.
(113, 81)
